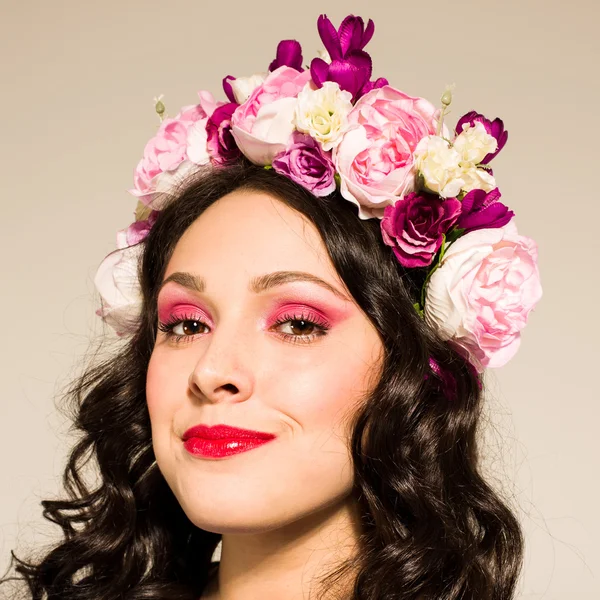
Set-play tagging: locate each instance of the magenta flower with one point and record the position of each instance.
(351, 66)
(495, 128)
(305, 163)
(137, 231)
(481, 210)
(289, 54)
(414, 227)
(227, 87)
(221, 144)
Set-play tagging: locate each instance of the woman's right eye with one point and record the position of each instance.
(182, 329)
(187, 328)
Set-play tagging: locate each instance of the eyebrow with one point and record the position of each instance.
(258, 284)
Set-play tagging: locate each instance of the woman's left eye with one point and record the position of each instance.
(300, 323)
(303, 329)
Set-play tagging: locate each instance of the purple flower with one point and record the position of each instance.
(221, 144)
(495, 128)
(227, 87)
(137, 231)
(351, 66)
(289, 54)
(414, 226)
(305, 163)
(481, 210)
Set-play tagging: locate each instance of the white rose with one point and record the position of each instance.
(439, 164)
(243, 87)
(197, 141)
(474, 143)
(118, 284)
(323, 113)
(167, 184)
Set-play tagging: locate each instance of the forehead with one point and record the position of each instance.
(251, 232)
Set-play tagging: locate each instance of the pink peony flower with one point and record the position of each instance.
(481, 295)
(375, 157)
(263, 125)
(167, 152)
(414, 227)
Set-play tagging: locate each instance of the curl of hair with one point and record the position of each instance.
(432, 528)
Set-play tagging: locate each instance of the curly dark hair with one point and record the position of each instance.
(432, 527)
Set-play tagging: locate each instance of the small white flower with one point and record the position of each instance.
(323, 113)
(324, 55)
(474, 143)
(439, 165)
(243, 87)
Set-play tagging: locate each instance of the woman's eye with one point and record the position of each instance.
(293, 329)
(186, 328)
(300, 326)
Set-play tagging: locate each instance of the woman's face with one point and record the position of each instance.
(249, 356)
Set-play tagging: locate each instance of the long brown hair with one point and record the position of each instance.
(433, 527)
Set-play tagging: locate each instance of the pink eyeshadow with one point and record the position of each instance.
(174, 303)
(330, 315)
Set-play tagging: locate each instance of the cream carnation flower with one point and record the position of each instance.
(323, 113)
(439, 164)
(243, 87)
(477, 179)
(474, 143)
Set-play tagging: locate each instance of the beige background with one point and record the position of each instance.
(78, 80)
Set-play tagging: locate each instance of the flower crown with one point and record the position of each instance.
(331, 126)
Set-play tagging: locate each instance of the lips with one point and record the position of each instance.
(222, 440)
(223, 432)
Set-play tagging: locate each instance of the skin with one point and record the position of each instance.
(285, 509)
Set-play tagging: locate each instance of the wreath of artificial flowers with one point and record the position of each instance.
(331, 126)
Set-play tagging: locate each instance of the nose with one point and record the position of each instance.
(223, 371)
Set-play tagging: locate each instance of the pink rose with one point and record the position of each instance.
(307, 164)
(481, 295)
(167, 152)
(262, 126)
(375, 157)
(137, 231)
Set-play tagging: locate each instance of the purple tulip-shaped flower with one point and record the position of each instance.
(415, 225)
(481, 210)
(351, 66)
(495, 128)
(228, 89)
(289, 54)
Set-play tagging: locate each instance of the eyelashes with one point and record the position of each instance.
(185, 328)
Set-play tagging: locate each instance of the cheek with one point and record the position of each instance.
(319, 396)
(166, 383)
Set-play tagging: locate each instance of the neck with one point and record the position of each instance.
(286, 562)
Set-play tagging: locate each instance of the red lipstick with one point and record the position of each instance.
(222, 440)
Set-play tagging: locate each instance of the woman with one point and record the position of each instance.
(293, 383)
